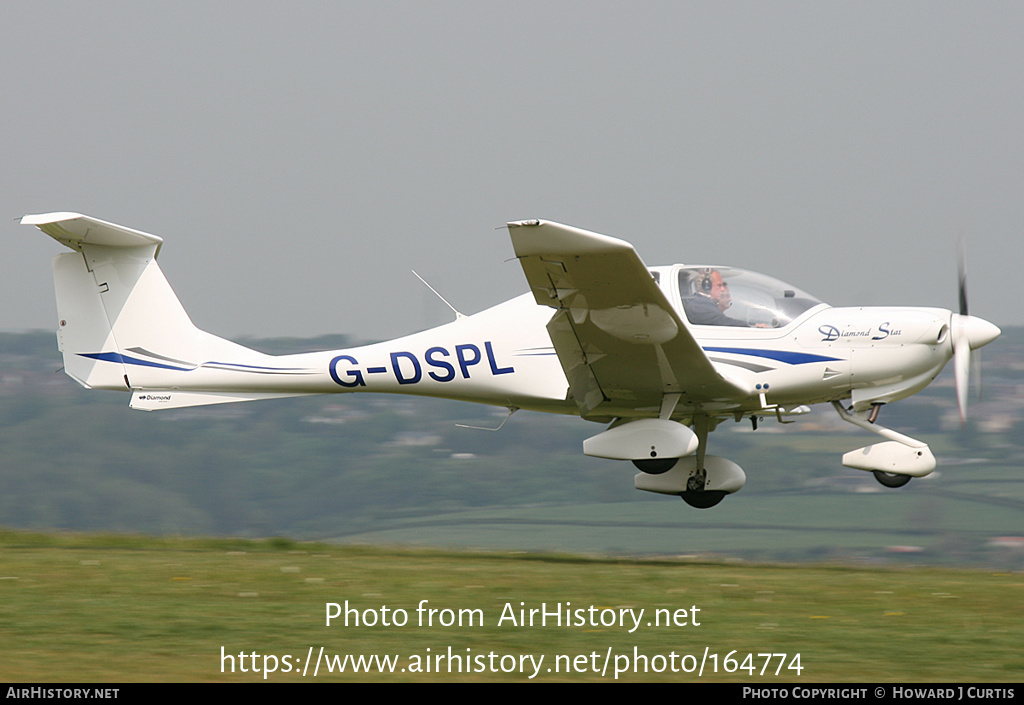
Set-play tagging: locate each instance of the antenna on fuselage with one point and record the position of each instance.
(511, 410)
(454, 310)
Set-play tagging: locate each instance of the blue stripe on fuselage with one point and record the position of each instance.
(786, 356)
(127, 360)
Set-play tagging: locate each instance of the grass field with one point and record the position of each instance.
(847, 527)
(115, 608)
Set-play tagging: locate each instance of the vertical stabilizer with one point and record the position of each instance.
(120, 324)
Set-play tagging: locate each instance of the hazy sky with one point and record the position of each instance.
(299, 159)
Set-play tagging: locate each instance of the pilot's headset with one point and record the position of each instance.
(706, 285)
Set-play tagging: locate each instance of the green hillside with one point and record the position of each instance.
(395, 470)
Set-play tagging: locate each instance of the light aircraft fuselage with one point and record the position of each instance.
(661, 354)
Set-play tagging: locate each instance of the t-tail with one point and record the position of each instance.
(121, 327)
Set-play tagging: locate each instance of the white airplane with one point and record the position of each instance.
(661, 355)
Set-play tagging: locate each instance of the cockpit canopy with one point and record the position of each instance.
(757, 301)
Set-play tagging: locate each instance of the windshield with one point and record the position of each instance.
(726, 296)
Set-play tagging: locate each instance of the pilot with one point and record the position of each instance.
(707, 307)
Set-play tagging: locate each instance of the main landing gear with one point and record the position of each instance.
(697, 494)
(703, 499)
(699, 479)
(671, 458)
(655, 466)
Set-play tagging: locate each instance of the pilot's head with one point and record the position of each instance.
(714, 287)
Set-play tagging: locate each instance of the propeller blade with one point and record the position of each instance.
(961, 266)
(976, 375)
(969, 333)
(961, 371)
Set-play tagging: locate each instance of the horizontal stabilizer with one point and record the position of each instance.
(75, 230)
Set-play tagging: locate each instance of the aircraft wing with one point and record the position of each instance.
(621, 343)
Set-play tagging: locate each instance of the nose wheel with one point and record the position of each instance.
(891, 479)
(912, 458)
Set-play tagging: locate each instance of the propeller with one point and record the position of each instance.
(969, 333)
